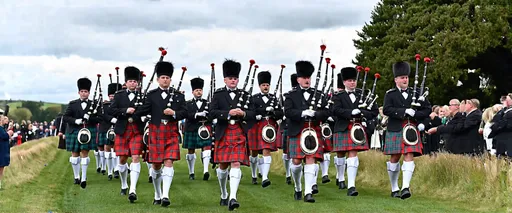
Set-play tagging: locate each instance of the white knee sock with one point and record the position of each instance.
(103, 163)
(352, 165)
(97, 158)
(222, 175)
(265, 167)
(297, 176)
(393, 172)
(309, 175)
(317, 167)
(206, 160)
(167, 174)
(286, 163)
(191, 160)
(336, 165)
(134, 176)
(341, 169)
(157, 182)
(115, 161)
(407, 171)
(325, 164)
(260, 162)
(75, 164)
(254, 166)
(85, 163)
(234, 181)
(123, 172)
(149, 169)
(108, 159)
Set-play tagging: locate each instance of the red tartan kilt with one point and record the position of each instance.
(295, 151)
(328, 144)
(163, 142)
(130, 142)
(232, 146)
(279, 138)
(256, 140)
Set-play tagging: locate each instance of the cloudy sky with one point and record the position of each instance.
(46, 47)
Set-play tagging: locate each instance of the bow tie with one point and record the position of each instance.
(403, 90)
(352, 92)
(305, 90)
(83, 101)
(197, 100)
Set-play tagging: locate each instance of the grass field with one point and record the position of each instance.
(16, 104)
(53, 191)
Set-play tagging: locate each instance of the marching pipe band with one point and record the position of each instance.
(232, 126)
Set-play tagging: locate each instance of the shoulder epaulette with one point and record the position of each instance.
(152, 91)
(391, 90)
(220, 89)
(120, 91)
(74, 101)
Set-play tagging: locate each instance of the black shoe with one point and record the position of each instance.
(352, 192)
(314, 189)
(395, 194)
(214, 165)
(157, 202)
(342, 185)
(405, 194)
(206, 176)
(77, 181)
(337, 183)
(150, 179)
(265, 183)
(224, 202)
(259, 175)
(289, 180)
(132, 197)
(116, 174)
(309, 198)
(109, 177)
(165, 202)
(123, 191)
(98, 170)
(83, 184)
(103, 172)
(191, 177)
(325, 179)
(233, 204)
(298, 195)
(255, 181)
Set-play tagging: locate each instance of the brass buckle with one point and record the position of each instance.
(130, 120)
(232, 122)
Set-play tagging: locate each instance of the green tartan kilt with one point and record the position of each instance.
(102, 140)
(191, 140)
(394, 145)
(72, 144)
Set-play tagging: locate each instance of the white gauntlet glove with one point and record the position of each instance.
(78, 121)
(258, 117)
(410, 112)
(214, 121)
(203, 114)
(308, 112)
(356, 112)
(86, 116)
(269, 109)
(421, 127)
(330, 119)
(113, 121)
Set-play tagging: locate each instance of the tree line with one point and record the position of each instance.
(33, 110)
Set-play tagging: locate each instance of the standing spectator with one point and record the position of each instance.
(5, 157)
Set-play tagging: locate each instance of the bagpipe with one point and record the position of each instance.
(84, 134)
(244, 93)
(325, 127)
(309, 142)
(269, 132)
(203, 131)
(111, 135)
(410, 131)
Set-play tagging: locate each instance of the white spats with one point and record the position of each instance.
(222, 175)
(297, 176)
(234, 180)
(265, 167)
(254, 165)
(340, 165)
(309, 177)
(207, 154)
(85, 162)
(123, 172)
(286, 163)
(393, 172)
(324, 165)
(134, 176)
(157, 182)
(191, 160)
(407, 171)
(110, 164)
(103, 162)
(167, 174)
(75, 164)
(352, 165)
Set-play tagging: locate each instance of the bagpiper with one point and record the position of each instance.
(305, 141)
(349, 130)
(81, 131)
(286, 158)
(340, 87)
(128, 129)
(166, 106)
(108, 121)
(402, 136)
(197, 109)
(230, 132)
(268, 112)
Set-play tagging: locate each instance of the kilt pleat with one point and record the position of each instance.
(191, 140)
(232, 146)
(130, 142)
(294, 150)
(102, 139)
(163, 142)
(72, 144)
(285, 141)
(394, 144)
(255, 139)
